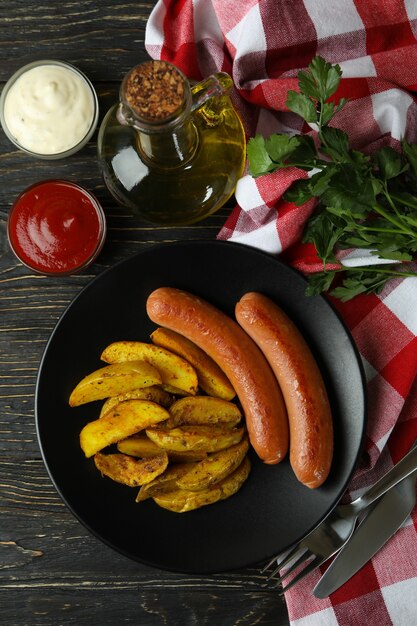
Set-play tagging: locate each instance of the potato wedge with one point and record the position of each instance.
(175, 371)
(203, 410)
(140, 445)
(154, 394)
(163, 483)
(181, 501)
(125, 419)
(201, 438)
(214, 468)
(114, 379)
(176, 391)
(129, 471)
(211, 378)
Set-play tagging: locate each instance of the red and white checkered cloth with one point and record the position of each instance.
(262, 44)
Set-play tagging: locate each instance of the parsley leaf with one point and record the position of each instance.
(367, 202)
(326, 77)
(410, 153)
(389, 162)
(348, 190)
(299, 192)
(302, 105)
(359, 282)
(279, 147)
(324, 230)
(319, 282)
(259, 160)
(335, 144)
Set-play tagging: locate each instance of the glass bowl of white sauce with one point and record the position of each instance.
(49, 109)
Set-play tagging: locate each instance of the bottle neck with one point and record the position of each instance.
(156, 100)
(169, 148)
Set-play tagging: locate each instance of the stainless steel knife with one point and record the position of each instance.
(383, 521)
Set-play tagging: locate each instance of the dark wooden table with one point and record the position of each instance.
(52, 571)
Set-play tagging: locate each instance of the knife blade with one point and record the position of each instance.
(379, 525)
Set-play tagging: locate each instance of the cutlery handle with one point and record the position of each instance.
(401, 470)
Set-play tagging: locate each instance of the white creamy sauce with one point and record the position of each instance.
(49, 109)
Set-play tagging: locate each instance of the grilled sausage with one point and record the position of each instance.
(301, 382)
(240, 359)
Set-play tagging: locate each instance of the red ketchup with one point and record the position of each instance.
(56, 227)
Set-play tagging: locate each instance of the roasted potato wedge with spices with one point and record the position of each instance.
(163, 483)
(154, 394)
(114, 379)
(125, 419)
(203, 410)
(176, 391)
(214, 468)
(211, 378)
(176, 373)
(201, 438)
(129, 471)
(140, 445)
(181, 501)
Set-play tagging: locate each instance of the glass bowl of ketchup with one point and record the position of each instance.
(56, 228)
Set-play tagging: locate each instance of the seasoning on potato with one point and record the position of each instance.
(125, 419)
(178, 376)
(113, 380)
(203, 410)
(129, 471)
(214, 468)
(181, 500)
(153, 393)
(164, 483)
(160, 429)
(140, 445)
(211, 378)
(206, 438)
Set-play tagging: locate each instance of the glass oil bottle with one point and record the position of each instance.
(170, 152)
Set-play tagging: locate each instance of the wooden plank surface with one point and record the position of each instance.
(52, 570)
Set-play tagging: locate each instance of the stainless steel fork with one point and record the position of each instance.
(333, 533)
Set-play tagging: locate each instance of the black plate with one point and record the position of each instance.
(272, 510)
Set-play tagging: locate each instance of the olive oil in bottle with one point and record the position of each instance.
(170, 153)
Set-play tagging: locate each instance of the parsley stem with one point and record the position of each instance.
(408, 202)
(394, 231)
(320, 120)
(302, 166)
(381, 211)
(391, 203)
(378, 269)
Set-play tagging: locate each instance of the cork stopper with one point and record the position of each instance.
(154, 90)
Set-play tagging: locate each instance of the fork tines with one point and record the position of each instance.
(303, 557)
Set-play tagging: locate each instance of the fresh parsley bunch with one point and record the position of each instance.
(364, 201)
